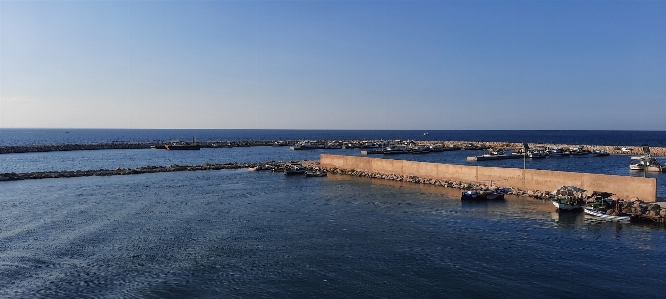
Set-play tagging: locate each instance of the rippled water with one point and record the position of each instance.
(239, 234)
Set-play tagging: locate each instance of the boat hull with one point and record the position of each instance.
(476, 195)
(565, 207)
(172, 147)
(604, 216)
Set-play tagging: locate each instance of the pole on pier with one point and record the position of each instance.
(525, 149)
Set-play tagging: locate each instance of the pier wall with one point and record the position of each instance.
(526, 179)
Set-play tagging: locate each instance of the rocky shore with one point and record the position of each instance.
(360, 144)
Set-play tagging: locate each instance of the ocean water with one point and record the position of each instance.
(239, 234)
(85, 136)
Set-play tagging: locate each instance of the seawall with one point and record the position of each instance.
(644, 189)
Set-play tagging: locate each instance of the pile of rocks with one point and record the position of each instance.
(127, 171)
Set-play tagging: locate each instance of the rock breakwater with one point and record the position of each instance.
(360, 144)
(140, 170)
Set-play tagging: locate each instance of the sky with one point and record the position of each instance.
(412, 65)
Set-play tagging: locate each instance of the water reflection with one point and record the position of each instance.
(567, 219)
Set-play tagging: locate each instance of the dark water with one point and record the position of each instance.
(84, 136)
(239, 234)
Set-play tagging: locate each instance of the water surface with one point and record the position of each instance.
(239, 234)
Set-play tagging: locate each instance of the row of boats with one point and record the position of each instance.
(568, 198)
(645, 162)
(599, 204)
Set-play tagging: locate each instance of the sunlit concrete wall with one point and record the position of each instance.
(525, 179)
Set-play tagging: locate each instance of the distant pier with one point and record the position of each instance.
(323, 144)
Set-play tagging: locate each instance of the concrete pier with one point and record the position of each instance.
(525, 179)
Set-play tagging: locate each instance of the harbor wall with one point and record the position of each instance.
(526, 179)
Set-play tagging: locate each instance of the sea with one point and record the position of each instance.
(240, 234)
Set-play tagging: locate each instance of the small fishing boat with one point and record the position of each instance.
(536, 154)
(177, 145)
(395, 149)
(497, 194)
(566, 205)
(602, 206)
(597, 152)
(315, 174)
(569, 198)
(294, 170)
(557, 152)
(604, 216)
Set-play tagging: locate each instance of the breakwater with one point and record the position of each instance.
(140, 170)
(134, 145)
(355, 144)
(525, 179)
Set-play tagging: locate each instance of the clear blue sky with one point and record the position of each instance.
(333, 64)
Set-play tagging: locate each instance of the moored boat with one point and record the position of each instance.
(568, 198)
(496, 194)
(314, 174)
(178, 145)
(536, 154)
(601, 205)
(395, 149)
(602, 215)
(557, 152)
(565, 205)
(294, 170)
(597, 152)
(646, 163)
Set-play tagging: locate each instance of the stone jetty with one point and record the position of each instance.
(140, 170)
(136, 145)
(359, 144)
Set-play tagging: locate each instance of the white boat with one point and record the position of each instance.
(494, 152)
(305, 145)
(646, 163)
(333, 145)
(395, 149)
(536, 154)
(556, 152)
(604, 216)
(597, 152)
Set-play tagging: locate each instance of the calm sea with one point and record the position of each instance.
(240, 234)
(82, 136)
